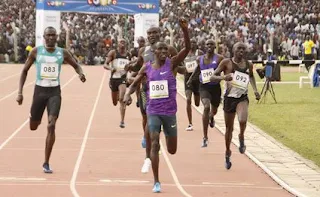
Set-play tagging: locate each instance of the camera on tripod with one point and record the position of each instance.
(270, 70)
(267, 70)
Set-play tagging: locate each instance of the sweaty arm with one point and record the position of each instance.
(131, 76)
(30, 60)
(252, 79)
(222, 67)
(110, 58)
(133, 87)
(179, 58)
(70, 60)
(135, 66)
(181, 67)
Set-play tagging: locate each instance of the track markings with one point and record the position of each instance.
(123, 181)
(21, 179)
(26, 121)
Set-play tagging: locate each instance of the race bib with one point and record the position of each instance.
(206, 74)
(240, 80)
(190, 66)
(120, 64)
(158, 89)
(49, 71)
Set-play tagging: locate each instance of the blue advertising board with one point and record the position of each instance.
(101, 6)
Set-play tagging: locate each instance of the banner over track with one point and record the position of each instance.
(146, 13)
(101, 6)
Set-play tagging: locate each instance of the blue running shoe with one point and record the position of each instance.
(228, 163)
(46, 168)
(242, 146)
(156, 188)
(143, 142)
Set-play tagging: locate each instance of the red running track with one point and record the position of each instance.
(94, 157)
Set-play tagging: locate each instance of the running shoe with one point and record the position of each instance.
(189, 128)
(146, 165)
(242, 146)
(204, 142)
(228, 163)
(122, 125)
(156, 188)
(46, 168)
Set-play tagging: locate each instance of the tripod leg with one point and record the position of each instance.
(273, 93)
(266, 90)
(263, 91)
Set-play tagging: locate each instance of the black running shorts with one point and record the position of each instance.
(230, 104)
(212, 92)
(143, 99)
(114, 83)
(45, 97)
(194, 87)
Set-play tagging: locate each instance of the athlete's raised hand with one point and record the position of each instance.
(183, 23)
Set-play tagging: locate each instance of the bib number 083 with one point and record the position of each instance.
(49, 69)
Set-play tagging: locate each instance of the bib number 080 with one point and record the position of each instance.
(157, 87)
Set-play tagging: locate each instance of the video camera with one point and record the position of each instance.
(267, 70)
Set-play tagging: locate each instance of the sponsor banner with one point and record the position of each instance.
(100, 6)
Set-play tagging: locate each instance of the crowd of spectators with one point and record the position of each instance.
(288, 28)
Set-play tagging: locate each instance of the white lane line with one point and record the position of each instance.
(21, 179)
(123, 181)
(173, 173)
(9, 77)
(25, 122)
(16, 91)
(84, 142)
(65, 183)
(232, 184)
(89, 138)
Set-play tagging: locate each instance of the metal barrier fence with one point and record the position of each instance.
(285, 61)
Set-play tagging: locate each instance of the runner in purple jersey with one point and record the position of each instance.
(161, 98)
(210, 92)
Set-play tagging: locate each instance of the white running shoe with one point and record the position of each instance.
(189, 128)
(146, 165)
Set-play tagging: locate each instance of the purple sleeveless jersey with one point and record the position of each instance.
(213, 64)
(162, 106)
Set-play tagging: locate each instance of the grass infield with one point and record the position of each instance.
(294, 120)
